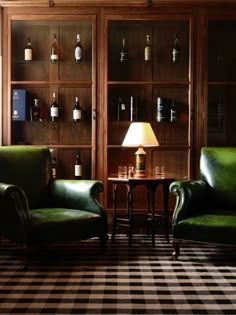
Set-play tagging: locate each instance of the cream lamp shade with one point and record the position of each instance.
(140, 134)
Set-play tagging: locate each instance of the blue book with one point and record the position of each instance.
(19, 104)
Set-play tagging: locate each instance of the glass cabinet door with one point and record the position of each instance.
(36, 77)
(157, 90)
(221, 127)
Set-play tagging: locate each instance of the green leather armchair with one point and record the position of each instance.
(34, 208)
(205, 209)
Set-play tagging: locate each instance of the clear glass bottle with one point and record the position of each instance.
(175, 50)
(131, 171)
(147, 50)
(54, 108)
(54, 167)
(78, 50)
(54, 50)
(78, 167)
(28, 52)
(77, 110)
(123, 52)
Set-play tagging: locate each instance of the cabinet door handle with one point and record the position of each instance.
(51, 3)
(94, 114)
(191, 114)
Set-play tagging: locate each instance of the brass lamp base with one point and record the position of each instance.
(140, 174)
(140, 163)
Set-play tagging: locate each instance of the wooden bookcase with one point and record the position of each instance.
(40, 78)
(147, 81)
(204, 74)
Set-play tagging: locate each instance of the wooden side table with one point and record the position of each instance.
(151, 184)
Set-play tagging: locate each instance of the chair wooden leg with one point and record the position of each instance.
(103, 242)
(26, 257)
(176, 250)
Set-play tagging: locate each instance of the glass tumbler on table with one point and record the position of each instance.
(122, 171)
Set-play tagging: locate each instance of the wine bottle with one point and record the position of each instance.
(28, 51)
(123, 52)
(173, 112)
(220, 114)
(147, 50)
(54, 50)
(121, 109)
(175, 50)
(35, 114)
(54, 168)
(77, 111)
(54, 108)
(133, 108)
(78, 50)
(78, 166)
(163, 112)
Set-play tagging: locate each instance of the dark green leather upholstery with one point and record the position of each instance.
(35, 208)
(205, 209)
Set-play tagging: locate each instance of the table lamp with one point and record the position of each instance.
(140, 134)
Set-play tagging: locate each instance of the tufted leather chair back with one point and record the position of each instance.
(29, 168)
(218, 169)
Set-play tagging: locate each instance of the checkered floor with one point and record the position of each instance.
(77, 279)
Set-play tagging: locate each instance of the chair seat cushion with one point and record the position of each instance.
(210, 228)
(55, 224)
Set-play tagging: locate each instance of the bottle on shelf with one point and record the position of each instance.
(123, 52)
(78, 166)
(54, 108)
(175, 49)
(220, 113)
(173, 111)
(77, 111)
(28, 52)
(133, 108)
(35, 112)
(147, 50)
(121, 109)
(54, 50)
(163, 109)
(78, 50)
(54, 167)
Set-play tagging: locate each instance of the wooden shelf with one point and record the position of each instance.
(54, 82)
(222, 83)
(161, 83)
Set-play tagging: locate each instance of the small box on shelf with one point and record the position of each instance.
(19, 104)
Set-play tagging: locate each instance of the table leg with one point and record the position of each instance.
(148, 210)
(153, 193)
(114, 186)
(166, 211)
(130, 213)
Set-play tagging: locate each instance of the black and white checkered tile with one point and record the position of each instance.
(77, 279)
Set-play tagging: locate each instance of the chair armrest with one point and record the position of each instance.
(190, 197)
(77, 194)
(14, 214)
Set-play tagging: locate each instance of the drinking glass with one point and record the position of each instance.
(122, 171)
(159, 171)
